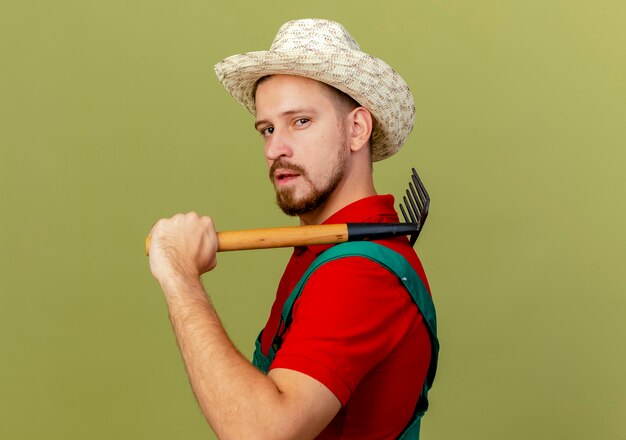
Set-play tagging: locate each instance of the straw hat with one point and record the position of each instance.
(323, 50)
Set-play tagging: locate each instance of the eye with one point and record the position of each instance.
(302, 121)
(266, 131)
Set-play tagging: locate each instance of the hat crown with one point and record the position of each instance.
(313, 34)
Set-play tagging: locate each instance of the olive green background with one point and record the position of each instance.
(111, 117)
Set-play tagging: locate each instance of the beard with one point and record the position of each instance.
(317, 195)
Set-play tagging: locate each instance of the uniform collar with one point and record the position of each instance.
(368, 210)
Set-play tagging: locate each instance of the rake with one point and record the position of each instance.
(416, 202)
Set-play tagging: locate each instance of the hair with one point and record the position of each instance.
(343, 102)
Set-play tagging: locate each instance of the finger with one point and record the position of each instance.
(154, 226)
(148, 241)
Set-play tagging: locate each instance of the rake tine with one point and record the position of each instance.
(422, 191)
(406, 219)
(409, 209)
(414, 213)
(413, 205)
(416, 202)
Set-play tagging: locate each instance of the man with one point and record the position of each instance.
(350, 358)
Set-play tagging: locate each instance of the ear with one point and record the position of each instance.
(360, 129)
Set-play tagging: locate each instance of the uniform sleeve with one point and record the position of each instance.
(351, 314)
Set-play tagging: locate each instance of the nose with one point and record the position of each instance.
(277, 145)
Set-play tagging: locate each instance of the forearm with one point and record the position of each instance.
(237, 399)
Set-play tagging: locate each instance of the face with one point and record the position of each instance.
(306, 144)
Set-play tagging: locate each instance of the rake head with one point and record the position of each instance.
(417, 202)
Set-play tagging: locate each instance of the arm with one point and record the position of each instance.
(236, 399)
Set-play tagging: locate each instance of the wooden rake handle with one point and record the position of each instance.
(306, 235)
(265, 238)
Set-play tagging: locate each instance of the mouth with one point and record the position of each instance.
(284, 177)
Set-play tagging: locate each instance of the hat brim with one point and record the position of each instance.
(368, 80)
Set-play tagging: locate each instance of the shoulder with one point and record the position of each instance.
(350, 273)
(354, 288)
(366, 263)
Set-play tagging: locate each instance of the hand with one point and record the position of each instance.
(183, 247)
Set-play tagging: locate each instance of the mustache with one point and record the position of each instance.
(281, 163)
